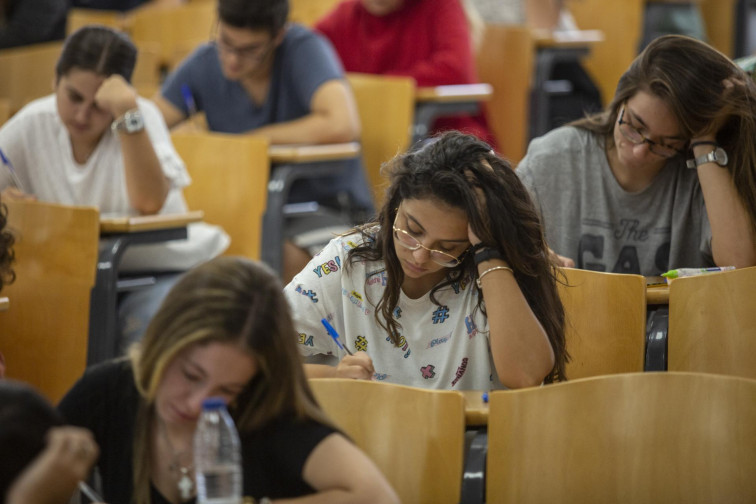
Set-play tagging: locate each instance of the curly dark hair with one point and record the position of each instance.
(7, 255)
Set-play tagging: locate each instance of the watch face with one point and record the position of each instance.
(720, 156)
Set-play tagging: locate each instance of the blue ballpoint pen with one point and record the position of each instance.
(186, 94)
(12, 171)
(335, 336)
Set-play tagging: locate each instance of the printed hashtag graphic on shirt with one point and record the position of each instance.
(440, 315)
(361, 344)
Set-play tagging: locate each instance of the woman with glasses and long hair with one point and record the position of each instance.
(664, 178)
(450, 288)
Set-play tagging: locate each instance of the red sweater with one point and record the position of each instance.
(427, 40)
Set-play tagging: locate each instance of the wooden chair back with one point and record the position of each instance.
(147, 71)
(173, 29)
(719, 19)
(605, 322)
(44, 334)
(28, 72)
(506, 61)
(308, 12)
(622, 25)
(386, 105)
(712, 323)
(638, 437)
(415, 436)
(229, 184)
(80, 17)
(5, 110)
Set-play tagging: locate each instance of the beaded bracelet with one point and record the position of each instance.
(489, 270)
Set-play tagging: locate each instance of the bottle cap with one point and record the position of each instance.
(212, 403)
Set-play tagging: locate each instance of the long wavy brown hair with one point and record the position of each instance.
(451, 169)
(689, 76)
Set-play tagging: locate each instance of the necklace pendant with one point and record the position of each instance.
(185, 485)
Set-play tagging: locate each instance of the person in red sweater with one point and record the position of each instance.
(428, 40)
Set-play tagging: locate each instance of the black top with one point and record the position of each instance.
(105, 400)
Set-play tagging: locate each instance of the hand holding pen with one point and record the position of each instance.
(357, 366)
(14, 177)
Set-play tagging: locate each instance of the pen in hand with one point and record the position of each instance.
(335, 336)
(89, 492)
(12, 171)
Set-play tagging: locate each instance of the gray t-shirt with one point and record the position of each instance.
(302, 63)
(590, 218)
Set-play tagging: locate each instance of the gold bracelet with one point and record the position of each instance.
(489, 270)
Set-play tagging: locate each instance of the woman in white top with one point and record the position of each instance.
(95, 142)
(451, 288)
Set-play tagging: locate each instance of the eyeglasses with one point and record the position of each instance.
(633, 135)
(255, 52)
(409, 242)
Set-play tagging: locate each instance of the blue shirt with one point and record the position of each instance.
(302, 63)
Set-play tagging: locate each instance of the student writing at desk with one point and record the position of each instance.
(665, 177)
(95, 142)
(451, 288)
(260, 75)
(224, 330)
(428, 40)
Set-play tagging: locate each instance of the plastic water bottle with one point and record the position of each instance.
(217, 455)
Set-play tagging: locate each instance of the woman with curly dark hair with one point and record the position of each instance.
(450, 288)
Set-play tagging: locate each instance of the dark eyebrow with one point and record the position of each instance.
(643, 124)
(409, 217)
(72, 90)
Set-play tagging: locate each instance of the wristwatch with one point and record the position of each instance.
(718, 155)
(130, 122)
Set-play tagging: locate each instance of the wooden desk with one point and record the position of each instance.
(476, 410)
(439, 101)
(552, 48)
(118, 233)
(657, 290)
(657, 294)
(289, 164)
(290, 153)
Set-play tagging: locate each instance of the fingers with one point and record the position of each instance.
(566, 262)
(74, 448)
(15, 194)
(54, 474)
(562, 261)
(358, 366)
(116, 96)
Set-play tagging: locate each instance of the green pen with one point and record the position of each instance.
(688, 272)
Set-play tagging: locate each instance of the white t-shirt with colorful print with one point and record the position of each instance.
(442, 346)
